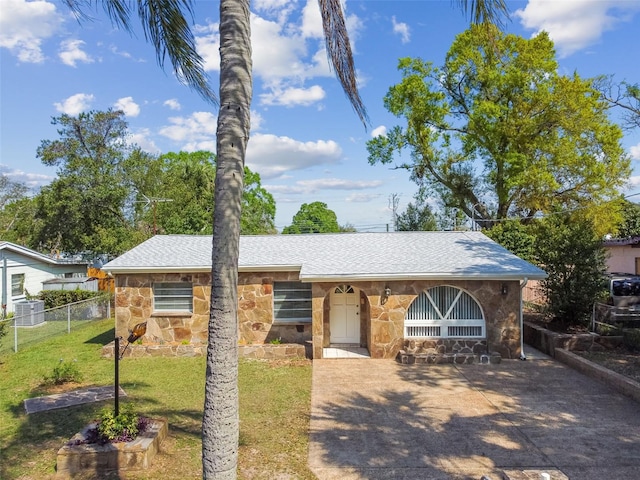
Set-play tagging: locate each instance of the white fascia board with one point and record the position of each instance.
(199, 269)
(419, 276)
(269, 268)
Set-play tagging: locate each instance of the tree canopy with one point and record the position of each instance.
(110, 195)
(418, 216)
(314, 217)
(498, 132)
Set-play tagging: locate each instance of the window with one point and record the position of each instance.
(292, 302)
(444, 312)
(172, 297)
(17, 285)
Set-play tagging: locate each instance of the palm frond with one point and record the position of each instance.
(485, 11)
(165, 25)
(340, 54)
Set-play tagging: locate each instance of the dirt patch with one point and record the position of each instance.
(622, 359)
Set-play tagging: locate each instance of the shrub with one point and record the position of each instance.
(573, 256)
(120, 428)
(64, 372)
(58, 298)
(631, 338)
(3, 329)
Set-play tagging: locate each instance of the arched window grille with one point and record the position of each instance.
(444, 312)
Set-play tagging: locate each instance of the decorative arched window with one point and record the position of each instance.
(444, 312)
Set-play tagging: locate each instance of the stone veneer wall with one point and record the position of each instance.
(134, 304)
(382, 324)
(385, 321)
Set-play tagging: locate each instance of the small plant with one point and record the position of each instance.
(64, 372)
(121, 428)
(109, 428)
(276, 341)
(185, 342)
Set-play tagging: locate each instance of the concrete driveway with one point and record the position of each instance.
(377, 419)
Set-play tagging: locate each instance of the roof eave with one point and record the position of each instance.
(422, 276)
(115, 270)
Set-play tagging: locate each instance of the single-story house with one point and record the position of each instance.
(374, 290)
(623, 255)
(24, 270)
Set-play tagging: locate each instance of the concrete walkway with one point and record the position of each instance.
(377, 419)
(71, 399)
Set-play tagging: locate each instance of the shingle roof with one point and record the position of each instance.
(347, 256)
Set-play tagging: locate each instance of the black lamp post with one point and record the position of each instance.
(138, 331)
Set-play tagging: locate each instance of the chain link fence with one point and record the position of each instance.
(34, 323)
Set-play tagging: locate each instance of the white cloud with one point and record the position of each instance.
(25, 25)
(75, 104)
(142, 138)
(287, 50)
(291, 96)
(401, 29)
(363, 197)
(71, 52)
(312, 186)
(172, 103)
(273, 156)
(128, 106)
(634, 182)
(207, 40)
(196, 132)
(634, 151)
(31, 180)
(256, 121)
(576, 24)
(379, 131)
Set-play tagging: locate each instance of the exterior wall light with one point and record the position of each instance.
(504, 289)
(385, 295)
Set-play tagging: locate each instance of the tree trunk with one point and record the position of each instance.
(220, 425)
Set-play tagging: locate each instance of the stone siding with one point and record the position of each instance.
(381, 319)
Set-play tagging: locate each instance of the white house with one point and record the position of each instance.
(23, 271)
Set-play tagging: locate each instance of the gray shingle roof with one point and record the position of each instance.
(348, 256)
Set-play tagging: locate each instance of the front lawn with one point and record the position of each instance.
(274, 409)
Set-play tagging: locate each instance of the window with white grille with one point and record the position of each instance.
(292, 302)
(444, 312)
(172, 297)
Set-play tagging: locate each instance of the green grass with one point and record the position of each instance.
(30, 335)
(274, 409)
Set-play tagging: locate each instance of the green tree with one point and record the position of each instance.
(165, 25)
(498, 121)
(313, 217)
(574, 258)
(258, 207)
(630, 225)
(417, 216)
(515, 237)
(89, 196)
(624, 95)
(16, 212)
(179, 200)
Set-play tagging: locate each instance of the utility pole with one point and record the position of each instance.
(394, 200)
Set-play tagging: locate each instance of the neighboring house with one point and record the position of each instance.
(24, 270)
(623, 255)
(375, 290)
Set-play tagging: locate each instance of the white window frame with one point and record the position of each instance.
(438, 313)
(292, 302)
(17, 288)
(173, 297)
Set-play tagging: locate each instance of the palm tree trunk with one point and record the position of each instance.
(220, 425)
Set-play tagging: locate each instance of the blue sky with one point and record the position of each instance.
(306, 142)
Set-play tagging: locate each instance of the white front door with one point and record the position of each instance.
(345, 315)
